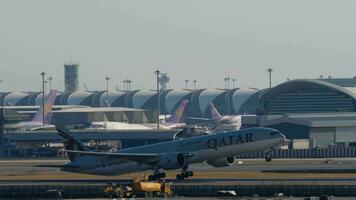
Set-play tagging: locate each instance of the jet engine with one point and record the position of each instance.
(222, 162)
(172, 161)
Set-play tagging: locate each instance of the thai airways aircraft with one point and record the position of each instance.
(219, 122)
(219, 150)
(175, 121)
(37, 121)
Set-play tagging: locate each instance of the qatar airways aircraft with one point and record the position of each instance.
(218, 150)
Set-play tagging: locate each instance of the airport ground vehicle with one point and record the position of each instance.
(139, 188)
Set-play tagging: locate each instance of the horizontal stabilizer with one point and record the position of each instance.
(70, 143)
(64, 133)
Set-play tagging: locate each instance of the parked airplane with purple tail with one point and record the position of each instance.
(175, 121)
(218, 121)
(43, 117)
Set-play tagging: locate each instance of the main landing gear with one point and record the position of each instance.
(184, 174)
(268, 156)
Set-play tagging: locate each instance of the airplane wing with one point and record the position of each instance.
(141, 157)
(201, 119)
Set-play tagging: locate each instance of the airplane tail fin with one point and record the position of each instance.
(213, 112)
(47, 109)
(70, 143)
(178, 114)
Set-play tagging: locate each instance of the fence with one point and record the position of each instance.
(338, 152)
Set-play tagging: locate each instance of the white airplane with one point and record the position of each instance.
(219, 150)
(117, 126)
(175, 121)
(219, 122)
(37, 122)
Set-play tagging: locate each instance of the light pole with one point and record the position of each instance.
(186, 83)
(195, 84)
(228, 82)
(50, 82)
(270, 70)
(233, 82)
(2, 97)
(45, 88)
(227, 87)
(129, 84)
(157, 72)
(107, 88)
(2, 101)
(43, 97)
(3, 114)
(124, 82)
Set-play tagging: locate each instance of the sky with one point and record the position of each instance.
(203, 40)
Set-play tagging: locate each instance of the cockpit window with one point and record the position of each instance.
(274, 133)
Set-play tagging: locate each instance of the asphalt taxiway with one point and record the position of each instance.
(290, 176)
(336, 170)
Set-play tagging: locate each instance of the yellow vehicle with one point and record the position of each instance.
(139, 188)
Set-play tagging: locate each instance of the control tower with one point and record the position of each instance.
(71, 82)
(163, 80)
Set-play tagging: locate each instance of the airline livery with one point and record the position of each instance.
(219, 122)
(219, 150)
(176, 120)
(38, 121)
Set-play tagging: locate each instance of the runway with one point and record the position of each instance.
(250, 177)
(195, 181)
(336, 170)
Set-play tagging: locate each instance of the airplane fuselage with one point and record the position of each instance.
(200, 149)
(229, 119)
(31, 125)
(126, 126)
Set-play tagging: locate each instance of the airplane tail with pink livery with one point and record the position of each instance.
(178, 115)
(47, 109)
(214, 112)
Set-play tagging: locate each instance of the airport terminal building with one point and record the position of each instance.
(322, 110)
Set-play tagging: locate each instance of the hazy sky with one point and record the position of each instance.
(189, 39)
